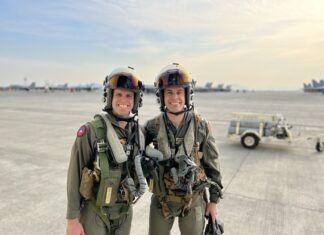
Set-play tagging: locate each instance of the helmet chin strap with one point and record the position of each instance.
(125, 119)
(178, 113)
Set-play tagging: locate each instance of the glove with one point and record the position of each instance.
(214, 227)
(148, 163)
(74, 227)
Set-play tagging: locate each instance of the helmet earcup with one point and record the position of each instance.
(157, 93)
(160, 99)
(104, 98)
(138, 101)
(191, 95)
(110, 93)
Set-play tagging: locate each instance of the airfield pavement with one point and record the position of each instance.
(277, 188)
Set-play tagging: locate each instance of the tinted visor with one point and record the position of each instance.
(124, 80)
(174, 78)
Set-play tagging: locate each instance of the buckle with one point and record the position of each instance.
(102, 147)
(128, 148)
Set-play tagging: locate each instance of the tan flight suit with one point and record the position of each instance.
(83, 155)
(193, 221)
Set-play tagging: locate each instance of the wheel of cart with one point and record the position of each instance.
(319, 146)
(250, 140)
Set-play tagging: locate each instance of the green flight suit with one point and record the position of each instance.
(83, 155)
(193, 222)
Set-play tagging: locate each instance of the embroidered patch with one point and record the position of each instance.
(82, 130)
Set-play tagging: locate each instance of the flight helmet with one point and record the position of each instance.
(174, 75)
(127, 78)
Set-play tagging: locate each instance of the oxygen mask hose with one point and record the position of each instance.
(138, 191)
(153, 153)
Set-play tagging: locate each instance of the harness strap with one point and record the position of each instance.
(187, 202)
(103, 217)
(193, 199)
(116, 147)
(102, 146)
(172, 198)
(111, 224)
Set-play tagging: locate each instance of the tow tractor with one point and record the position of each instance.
(251, 128)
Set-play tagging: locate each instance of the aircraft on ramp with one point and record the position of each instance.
(314, 86)
(16, 87)
(207, 88)
(51, 87)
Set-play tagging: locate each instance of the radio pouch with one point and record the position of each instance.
(86, 184)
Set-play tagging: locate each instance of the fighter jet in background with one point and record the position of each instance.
(149, 89)
(222, 88)
(86, 87)
(51, 87)
(209, 88)
(314, 86)
(16, 87)
(206, 88)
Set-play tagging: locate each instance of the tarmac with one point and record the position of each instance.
(277, 188)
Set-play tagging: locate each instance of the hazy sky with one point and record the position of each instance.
(256, 44)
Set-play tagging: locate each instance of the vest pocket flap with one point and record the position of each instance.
(108, 189)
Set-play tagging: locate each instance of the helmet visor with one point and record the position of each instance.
(124, 80)
(174, 78)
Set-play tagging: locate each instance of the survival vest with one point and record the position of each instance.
(163, 184)
(107, 201)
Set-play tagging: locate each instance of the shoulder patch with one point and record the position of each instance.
(82, 131)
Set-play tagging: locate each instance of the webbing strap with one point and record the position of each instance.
(172, 198)
(104, 165)
(102, 216)
(102, 146)
(187, 202)
(179, 199)
(122, 208)
(112, 139)
(100, 127)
